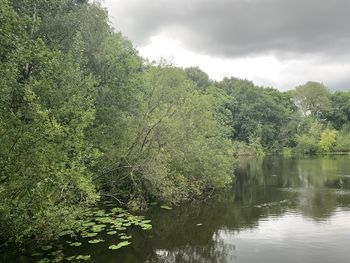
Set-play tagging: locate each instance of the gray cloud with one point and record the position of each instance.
(234, 28)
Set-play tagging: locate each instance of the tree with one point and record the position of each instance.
(312, 98)
(339, 112)
(259, 113)
(199, 77)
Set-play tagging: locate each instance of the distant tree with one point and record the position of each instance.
(259, 113)
(339, 112)
(199, 77)
(312, 98)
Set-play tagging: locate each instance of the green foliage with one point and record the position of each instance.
(312, 99)
(339, 113)
(120, 245)
(83, 116)
(259, 114)
(166, 158)
(327, 140)
(199, 77)
(342, 143)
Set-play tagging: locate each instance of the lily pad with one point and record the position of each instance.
(65, 233)
(95, 241)
(48, 247)
(146, 227)
(123, 237)
(112, 232)
(75, 244)
(87, 224)
(83, 257)
(98, 228)
(119, 245)
(120, 228)
(89, 234)
(165, 207)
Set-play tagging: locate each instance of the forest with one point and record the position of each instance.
(83, 117)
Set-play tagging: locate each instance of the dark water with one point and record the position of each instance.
(280, 210)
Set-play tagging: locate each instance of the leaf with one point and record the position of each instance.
(83, 257)
(123, 237)
(87, 224)
(165, 207)
(75, 244)
(95, 241)
(48, 247)
(89, 234)
(146, 227)
(112, 232)
(119, 245)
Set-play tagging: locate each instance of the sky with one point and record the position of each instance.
(275, 43)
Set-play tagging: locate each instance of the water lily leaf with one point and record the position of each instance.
(89, 234)
(95, 241)
(48, 247)
(120, 228)
(76, 244)
(70, 258)
(113, 232)
(121, 215)
(119, 245)
(55, 253)
(117, 210)
(43, 260)
(123, 237)
(87, 224)
(165, 207)
(65, 233)
(99, 213)
(98, 228)
(104, 219)
(83, 257)
(146, 227)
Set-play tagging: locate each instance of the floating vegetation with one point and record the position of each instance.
(123, 237)
(48, 247)
(146, 227)
(98, 227)
(87, 224)
(119, 245)
(75, 244)
(79, 257)
(89, 234)
(95, 241)
(66, 232)
(114, 221)
(165, 207)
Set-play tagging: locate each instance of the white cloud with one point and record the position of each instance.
(265, 70)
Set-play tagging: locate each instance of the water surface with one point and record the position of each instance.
(279, 210)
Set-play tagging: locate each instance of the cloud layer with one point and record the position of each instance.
(232, 28)
(280, 43)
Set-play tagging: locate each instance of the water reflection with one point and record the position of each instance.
(279, 210)
(286, 210)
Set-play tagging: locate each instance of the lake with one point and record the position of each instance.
(279, 210)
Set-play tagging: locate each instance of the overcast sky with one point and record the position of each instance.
(278, 43)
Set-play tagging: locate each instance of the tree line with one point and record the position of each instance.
(84, 116)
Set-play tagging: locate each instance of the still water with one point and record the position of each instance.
(279, 210)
